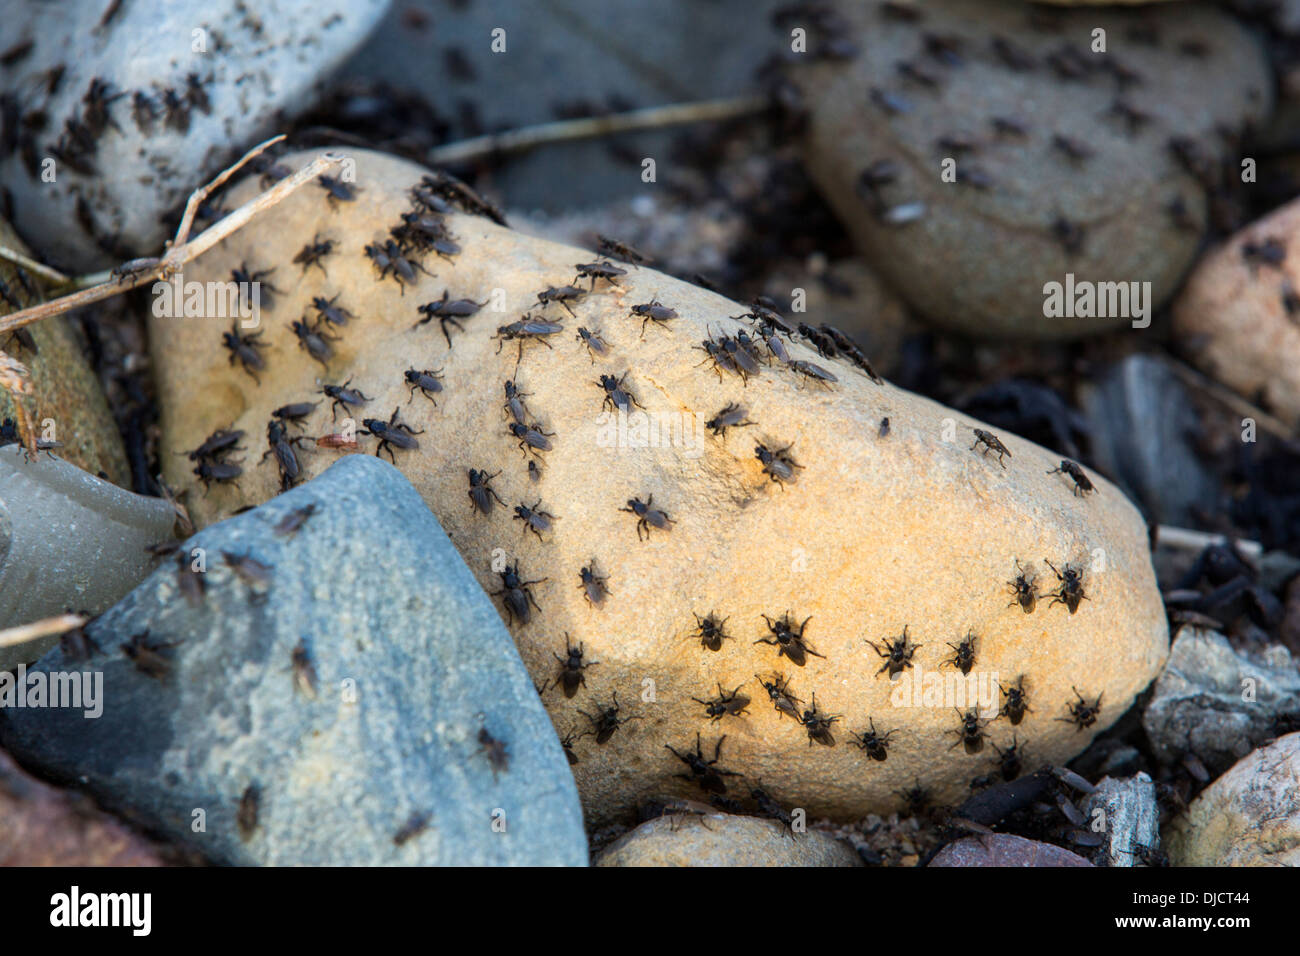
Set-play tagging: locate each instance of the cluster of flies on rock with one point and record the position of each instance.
(743, 353)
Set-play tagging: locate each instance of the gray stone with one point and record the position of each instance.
(1216, 702)
(1130, 815)
(411, 662)
(257, 65)
(68, 541)
(1004, 849)
(1141, 419)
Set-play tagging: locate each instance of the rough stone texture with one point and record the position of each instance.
(977, 261)
(411, 663)
(257, 65)
(1132, 817)
(41, 825)
(64, 387)
(1200, 706)
(721, 839)
(1004, 849)
(876, 533)
(1232, 320)
(1248, 817)
(68, 541)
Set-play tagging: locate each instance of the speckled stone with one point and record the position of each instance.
(979, 257)
(875, 533)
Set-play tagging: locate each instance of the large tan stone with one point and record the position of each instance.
(875, 533)
(1248, 817)
(1238, 317)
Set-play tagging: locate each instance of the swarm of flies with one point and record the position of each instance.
(897, 654)
(788, 639)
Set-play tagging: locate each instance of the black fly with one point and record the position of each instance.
(896, 654)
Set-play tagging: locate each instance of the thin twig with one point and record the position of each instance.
(25, 633)
(183, 252)
(528, 137)
(1187, 539)
(31, 265)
